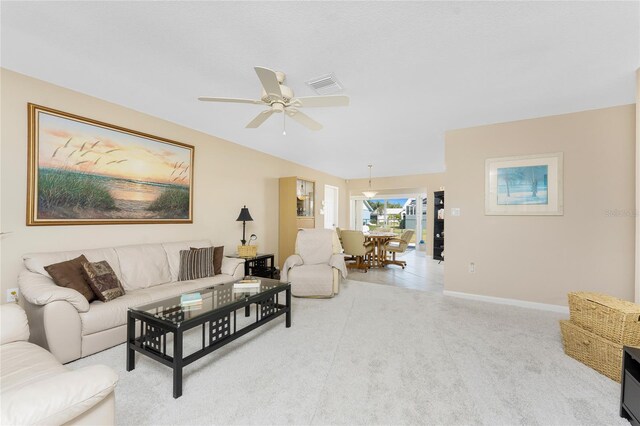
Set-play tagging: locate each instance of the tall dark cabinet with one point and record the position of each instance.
(438, 225)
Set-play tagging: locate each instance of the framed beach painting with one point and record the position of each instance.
(82, 171)
(526, 185)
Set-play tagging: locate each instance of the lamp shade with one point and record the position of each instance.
(244, 215)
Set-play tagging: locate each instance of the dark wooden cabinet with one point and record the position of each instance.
(438, 225)
(630, 389)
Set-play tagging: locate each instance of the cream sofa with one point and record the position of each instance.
(63, 322)
(36, 389)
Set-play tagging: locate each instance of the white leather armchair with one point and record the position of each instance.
(36, 389)
(317, 265)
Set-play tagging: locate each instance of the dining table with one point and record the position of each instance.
(379, 239)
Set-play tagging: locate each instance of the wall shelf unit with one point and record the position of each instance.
(438, 225)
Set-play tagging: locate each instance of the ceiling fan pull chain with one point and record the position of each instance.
(284, 123)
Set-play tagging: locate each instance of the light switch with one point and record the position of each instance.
(455, 211)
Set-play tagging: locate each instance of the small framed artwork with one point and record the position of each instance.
(525, 185)
(86, 172)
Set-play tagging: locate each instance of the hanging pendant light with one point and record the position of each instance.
(370, 193)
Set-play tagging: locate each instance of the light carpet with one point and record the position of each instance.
(376, 354)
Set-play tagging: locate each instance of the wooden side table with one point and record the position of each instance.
(262, 265)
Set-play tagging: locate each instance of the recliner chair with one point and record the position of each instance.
(315, 268)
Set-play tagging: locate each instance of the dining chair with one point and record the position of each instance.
(398, 245)
(354, 244)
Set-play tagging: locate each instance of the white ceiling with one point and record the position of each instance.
(412, 69)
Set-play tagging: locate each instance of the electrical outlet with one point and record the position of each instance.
(12, 294)
(472, 268)
(455, 211)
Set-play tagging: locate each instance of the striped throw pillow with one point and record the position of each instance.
(196, 264)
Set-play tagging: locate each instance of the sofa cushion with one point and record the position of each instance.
(166, 291)
(143, 266)
(105, 315)
(24, 363)
(103, 281)
(70, 274)
(173, 253)
(35, 262)
(63, 399)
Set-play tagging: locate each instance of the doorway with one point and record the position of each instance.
(330, 207)
(391, 212)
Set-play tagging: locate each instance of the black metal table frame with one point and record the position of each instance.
(152, 340)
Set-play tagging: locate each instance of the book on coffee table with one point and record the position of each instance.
(190, 299)
(247, 284)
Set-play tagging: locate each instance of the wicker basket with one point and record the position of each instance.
(247, 251)
(614, 319)
(592, 350)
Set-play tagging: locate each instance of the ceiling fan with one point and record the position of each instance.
(280, 99)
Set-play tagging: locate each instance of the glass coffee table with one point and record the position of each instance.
(216, 316)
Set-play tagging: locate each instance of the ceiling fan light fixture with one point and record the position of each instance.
(370, 193)
(279, 98)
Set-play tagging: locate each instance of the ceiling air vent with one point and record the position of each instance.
(326, 85)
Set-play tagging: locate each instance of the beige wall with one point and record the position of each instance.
(637, 260)
(227, 176)
(542, 258)
(417, 183)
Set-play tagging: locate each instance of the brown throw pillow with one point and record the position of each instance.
(102, 280)
(218, 254)
(69, 274)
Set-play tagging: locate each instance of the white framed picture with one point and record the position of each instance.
(524, 185)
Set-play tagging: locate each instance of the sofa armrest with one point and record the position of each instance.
(15, 326)
(40, 290)
(231, 266)
(58, 399)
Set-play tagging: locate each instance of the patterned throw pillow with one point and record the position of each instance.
(69, 274)
(218, 254)
(196, 263)
(103, 280)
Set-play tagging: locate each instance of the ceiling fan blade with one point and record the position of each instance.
(321, 101)
(304, 119)
(269, 81)
(260, 118)
(231, 100)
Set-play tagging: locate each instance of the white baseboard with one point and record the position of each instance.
(513, 302)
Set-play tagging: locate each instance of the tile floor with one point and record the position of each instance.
(421, 273)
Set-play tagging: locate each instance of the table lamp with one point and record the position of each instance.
(244, 217)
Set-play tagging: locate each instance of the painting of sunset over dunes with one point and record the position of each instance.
(84, 171)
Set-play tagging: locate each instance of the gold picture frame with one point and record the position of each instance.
(82, 171)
